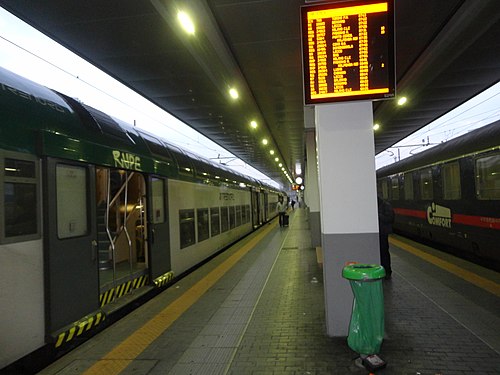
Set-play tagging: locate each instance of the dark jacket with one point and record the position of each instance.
(385, 216)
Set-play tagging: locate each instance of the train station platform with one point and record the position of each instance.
(258, 309)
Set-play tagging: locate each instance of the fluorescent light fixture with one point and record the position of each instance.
(253, 124)
(402, 100)
(271, 152)
(376, 127)
(186, 22)
(265, 141)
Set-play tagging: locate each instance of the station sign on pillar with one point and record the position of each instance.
(348, 60)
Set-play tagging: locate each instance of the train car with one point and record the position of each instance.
(93, 209)
(450, 194)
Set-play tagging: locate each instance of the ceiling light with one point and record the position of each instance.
(376, 127)
(234, 93)
(298, 169)
(271, 152)
(298, 180)
(265, 141)
(402, 100)
(253, 124)
(280, 165)
(276, 159)
(186, 22)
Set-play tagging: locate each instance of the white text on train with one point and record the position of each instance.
(226, 196)
(439, 215)
(30, 97)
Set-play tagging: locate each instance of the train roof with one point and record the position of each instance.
(38, 120)
(475, 141)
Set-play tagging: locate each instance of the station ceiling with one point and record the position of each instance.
(447, 51)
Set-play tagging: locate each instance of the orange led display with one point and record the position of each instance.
(348, 51)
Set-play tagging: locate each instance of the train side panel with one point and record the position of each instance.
(191, 207)
(22, 325)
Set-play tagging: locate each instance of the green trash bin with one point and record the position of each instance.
(366, 330)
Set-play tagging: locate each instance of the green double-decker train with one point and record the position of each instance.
(93, 209)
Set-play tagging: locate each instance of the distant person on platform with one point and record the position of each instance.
(385, 221)
(281, 207)
(293, 204)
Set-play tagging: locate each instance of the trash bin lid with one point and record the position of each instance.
(359, 271)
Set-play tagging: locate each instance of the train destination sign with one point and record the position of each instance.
(348, 51)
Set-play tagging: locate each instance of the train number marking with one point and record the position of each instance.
(226, 196)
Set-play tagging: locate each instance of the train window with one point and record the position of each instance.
(408, 186)
(384, 188)
(395, 187)
(157, 147)
(238, 216)
(20, 200)
(247, 209)
(450, 174)
(19, 168)
(232, 217)
(224, 219)
(183, 161)
(186, 227)
(488, 178)
(215, 220)
(272, 206)
(203, 224)
(72, 201)
(243, 215)
(107, 124)
(426, 185)
(158, 200)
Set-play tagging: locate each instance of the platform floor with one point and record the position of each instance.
(258, 309)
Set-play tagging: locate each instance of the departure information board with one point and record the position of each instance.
(348, 51)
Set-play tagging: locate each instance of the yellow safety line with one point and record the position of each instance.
(469, 276)
(123, 354)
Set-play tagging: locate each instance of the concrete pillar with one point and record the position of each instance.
(311, 192)
(348, 201)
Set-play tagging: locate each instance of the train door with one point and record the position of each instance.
(255, 209)
(266, 207)
(121, 226)
(262, 207)
(70, 254)
(159, 235)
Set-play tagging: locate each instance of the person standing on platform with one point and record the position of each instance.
(385, 221)
(293, 204)
(281, 207)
